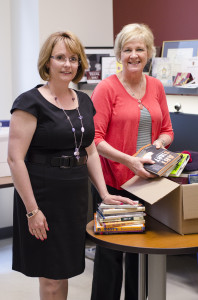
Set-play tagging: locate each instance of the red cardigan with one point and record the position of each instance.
(117, 121)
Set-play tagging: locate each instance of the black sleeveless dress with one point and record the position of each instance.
(61, 193)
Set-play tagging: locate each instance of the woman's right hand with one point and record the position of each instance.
(136, 165)
(38, 226)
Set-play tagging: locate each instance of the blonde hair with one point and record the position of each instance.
(72, 43)
(135, 31)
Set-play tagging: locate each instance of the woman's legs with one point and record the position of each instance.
(51, 289)
(108, 265)
(131, 276)
(107, 276)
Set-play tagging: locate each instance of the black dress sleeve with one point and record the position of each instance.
(27, 102)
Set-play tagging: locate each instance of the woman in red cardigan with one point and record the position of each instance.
(131, 111)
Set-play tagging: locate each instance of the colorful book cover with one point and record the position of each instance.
(113, 211)
(122, 223)
(119, 218)
(98, 228)
(104, 206)
(182, 78)
(176, 172)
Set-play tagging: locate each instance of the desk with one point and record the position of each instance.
(6, 182)
(157, 241)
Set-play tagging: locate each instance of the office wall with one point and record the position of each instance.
(24, 45)
(169, 20)
(5, 59)
(90, 20)
(24, 24)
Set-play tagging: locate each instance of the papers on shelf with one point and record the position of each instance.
(162, 70)
(166, 68)
(189, 86)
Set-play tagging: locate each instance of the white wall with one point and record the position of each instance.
(24, 24)
(189, 104)
(5, 99)
(24, 45)
(90, 20)
(5, 60)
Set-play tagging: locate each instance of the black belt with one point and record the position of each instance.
(61, 162)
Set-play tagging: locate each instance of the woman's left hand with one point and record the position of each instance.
(38, 226)
(119, 200)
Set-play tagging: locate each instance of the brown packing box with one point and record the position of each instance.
(168, 202)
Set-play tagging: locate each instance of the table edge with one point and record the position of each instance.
(132, 249)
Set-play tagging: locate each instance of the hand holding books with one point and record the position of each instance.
(136, 165)
(165, 160)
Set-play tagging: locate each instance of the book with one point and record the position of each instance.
(122, 223)
(93, 76)
(182, 78)
(116, 215)
(104, 206)
(112, 211)
(164, 159)
(99, 228)
(176, 172)
(119, 218)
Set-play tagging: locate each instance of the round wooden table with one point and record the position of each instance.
(157, 241)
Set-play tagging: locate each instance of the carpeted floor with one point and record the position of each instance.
(182, 279)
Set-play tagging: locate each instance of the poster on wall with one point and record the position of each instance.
(94, 57)
(109, 66)
(184, 49)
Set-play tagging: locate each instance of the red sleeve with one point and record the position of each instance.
(103, 99)
(166, 127)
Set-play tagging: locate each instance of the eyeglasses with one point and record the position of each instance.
(62, 59)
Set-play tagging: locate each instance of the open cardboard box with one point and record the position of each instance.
(172, 204)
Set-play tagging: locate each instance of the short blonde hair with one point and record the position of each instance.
(131, 32)
(72, 43)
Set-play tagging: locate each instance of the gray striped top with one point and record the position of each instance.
(144, 131)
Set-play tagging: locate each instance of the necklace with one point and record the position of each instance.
(77, 147)
(140, 105)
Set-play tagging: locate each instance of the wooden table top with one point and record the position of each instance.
(157, 239)
(6, 182)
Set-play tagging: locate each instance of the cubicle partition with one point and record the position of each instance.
(185, 131)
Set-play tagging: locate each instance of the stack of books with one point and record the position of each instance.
(176, 172)
(164, 160)
(124, 218)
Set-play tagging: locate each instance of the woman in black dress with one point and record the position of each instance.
(51, 154)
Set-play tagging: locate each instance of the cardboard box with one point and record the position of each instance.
(4, 168)
(172, 204)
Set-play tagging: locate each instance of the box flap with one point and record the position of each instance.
(150, 190)
(190, 201)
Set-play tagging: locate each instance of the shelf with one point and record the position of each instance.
(86, 86)
(172, 90)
